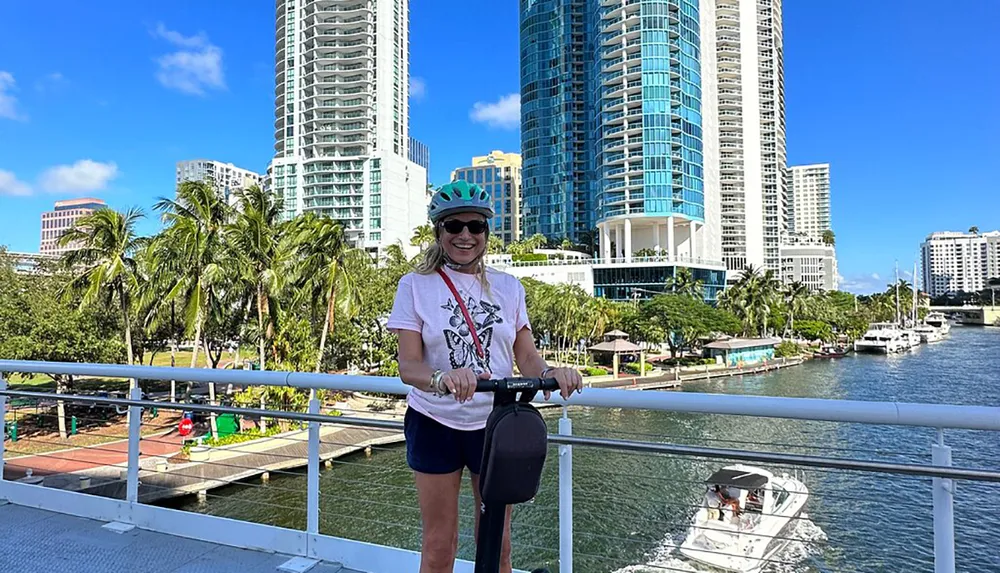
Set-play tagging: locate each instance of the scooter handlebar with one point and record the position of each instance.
(517, 384)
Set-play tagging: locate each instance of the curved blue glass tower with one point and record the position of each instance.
(556, 111)
(612, 135)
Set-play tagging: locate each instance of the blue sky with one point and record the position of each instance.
(103, 98)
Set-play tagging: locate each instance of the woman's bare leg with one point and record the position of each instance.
(438, 497)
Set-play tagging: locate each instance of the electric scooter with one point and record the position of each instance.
(513, 458)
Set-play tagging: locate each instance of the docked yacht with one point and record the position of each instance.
(939, 321)
(744, 543)
(928, 333)
(885, 338)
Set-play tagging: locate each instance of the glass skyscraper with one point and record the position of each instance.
(619, 136)
(556, 117)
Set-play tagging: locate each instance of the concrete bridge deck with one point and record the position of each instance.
(37, 541)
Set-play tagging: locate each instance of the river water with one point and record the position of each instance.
(631, 510)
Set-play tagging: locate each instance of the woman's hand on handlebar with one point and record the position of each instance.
(569, 380)
(461, 383)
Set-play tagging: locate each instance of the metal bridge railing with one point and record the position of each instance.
(329, 508)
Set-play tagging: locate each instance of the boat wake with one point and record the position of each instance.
(805, 540)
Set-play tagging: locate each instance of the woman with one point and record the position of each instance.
(441, 355)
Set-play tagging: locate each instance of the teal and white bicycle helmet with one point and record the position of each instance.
(459, 197)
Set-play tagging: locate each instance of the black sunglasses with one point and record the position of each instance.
(454, 226)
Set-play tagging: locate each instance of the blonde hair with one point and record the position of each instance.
(434, 259)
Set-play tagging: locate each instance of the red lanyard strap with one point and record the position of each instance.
(465, 312)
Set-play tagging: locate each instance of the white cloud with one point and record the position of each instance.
(84, 176)
(51, 81)
(194, 68)
(418, 88)
(9, 185)
(8, 103)
(504, 113)
(866, 283)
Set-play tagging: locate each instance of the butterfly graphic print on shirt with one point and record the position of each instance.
(458, 337)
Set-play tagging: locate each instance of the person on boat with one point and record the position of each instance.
(458, 321)
(713, 501)
(726, 498)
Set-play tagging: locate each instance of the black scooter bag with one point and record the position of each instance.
(513, 457)
(516, 445)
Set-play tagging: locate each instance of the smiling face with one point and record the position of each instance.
(460, 243)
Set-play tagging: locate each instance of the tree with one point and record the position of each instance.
(684, 284)
(751, 300)
(829, 238)
(495, 245)
(974, 230)
(796, 296)
(196, 222)
(39, 322)
(814, 330)
(104, 263)
(423, 236)
(326, 271)
(678, 320)
(254, 243)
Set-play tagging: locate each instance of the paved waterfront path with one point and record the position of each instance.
(92, 457)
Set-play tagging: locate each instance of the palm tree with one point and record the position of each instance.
(751, 299)
(254, 238)
(829, 238)
(423, 236)
(974, 230)
(796, 300)
(495, 245)
(325, 271)
(105, 262)
(158, 263)
(683, 283)
(536, 241)
(196, 222)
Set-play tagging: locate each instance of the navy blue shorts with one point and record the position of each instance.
(433, 448)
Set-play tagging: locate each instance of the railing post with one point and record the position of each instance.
(944, 515)
(3, 421)
(565, 496)
(312, 477)
(134, 432)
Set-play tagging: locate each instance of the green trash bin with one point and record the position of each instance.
(227, 424)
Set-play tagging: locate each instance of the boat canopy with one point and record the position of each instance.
(737, 478)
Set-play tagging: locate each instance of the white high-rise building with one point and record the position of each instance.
(341, 118)
(959, 262)
(226, 177)
(751, 98)
(810, 262)
(809, 200)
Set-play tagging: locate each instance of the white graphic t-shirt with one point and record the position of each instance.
(424, 304)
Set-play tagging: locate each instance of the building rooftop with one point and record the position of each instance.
(960, 235)
(738, 343)
(80, 202)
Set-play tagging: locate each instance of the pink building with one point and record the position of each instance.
(62, 218)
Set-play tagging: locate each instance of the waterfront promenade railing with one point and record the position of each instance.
(139, 479)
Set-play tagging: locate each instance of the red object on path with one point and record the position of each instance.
(185, 427)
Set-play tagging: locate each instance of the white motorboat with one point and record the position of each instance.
(744, 543)
(884, 338)
(939, 321)
(928, 334)
(911, 338)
